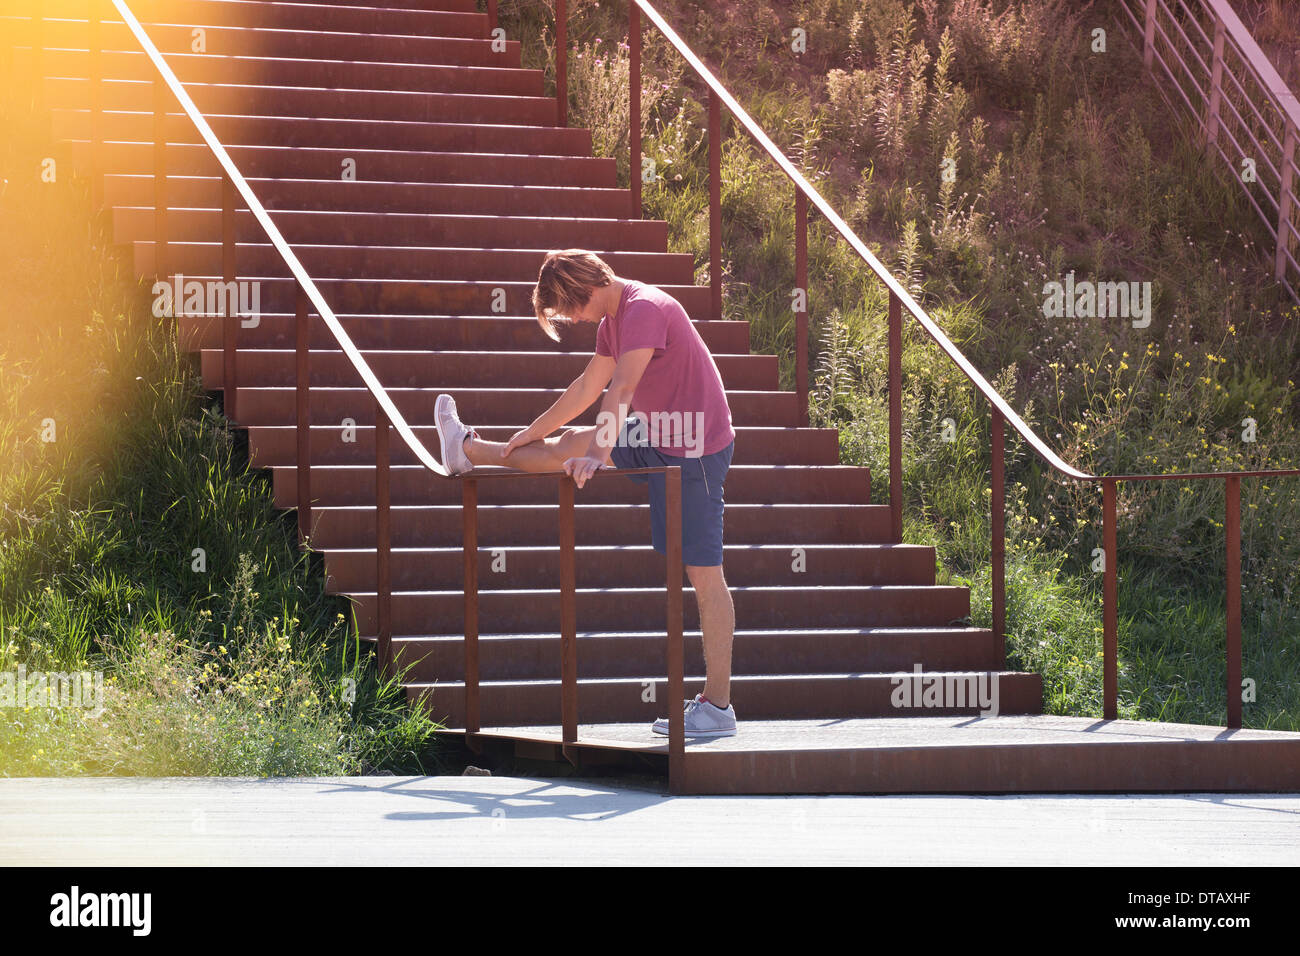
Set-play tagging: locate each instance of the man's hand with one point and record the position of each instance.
(520, 438)
(582, 468)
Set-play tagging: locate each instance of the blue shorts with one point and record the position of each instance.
(702, 503)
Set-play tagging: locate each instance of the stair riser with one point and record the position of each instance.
(279, 16)
(303, 44)
(537, 567)
(464, 232)
(331, 195)
(602, 656)
(415, 613)
(453, 6)
(243, 68)
(438, 297)
(416, 485)
(441, 333)
(483, 408)
(392, 166)
(339, 262)
(427, 527)
(451, 370)
(755, 699)
(69, 93)
(138, 127)
(272, 445)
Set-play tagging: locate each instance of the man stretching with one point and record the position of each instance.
(653, 361)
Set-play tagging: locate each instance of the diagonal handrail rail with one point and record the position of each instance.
(899, 299)
(895, 288)
(282, 248)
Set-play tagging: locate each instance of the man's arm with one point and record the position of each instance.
(577, 398)
(618, 398)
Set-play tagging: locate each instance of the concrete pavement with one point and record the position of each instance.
(514, 820)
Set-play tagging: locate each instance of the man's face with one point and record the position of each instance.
(591, 312)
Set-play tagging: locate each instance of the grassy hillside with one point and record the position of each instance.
(1065, 160)
(115, 467)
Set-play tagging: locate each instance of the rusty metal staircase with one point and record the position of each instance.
(464, 177)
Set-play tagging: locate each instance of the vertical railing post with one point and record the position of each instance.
(95, 77)
(1286, 203)
(997, 526)
(801, 304)
(302, 395)
(568, 615)
(469, 510)
(492, 14)
(634, 105)
(1216, 82)
(160, 176)
(383, 543)
(230, 320)
(561, 63)
(715, 203)
(895, 418)
(676, 653)
(1149, 35)
(1232, 533)
(1110, 605)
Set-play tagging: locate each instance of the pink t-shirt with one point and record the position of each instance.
(681, 391)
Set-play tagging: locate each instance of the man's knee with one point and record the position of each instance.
(706, 579)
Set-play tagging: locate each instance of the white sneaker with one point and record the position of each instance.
(703, 719)
(452, 434)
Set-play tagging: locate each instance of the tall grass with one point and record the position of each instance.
(115, 468)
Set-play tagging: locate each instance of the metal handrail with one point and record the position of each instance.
(1271, 126)
(568, 605)
(891, 283)
(282, 248)
(899, 298)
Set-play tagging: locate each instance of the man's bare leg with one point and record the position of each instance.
(547, 454)
(718, 622)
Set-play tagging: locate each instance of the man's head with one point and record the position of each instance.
(565, 283)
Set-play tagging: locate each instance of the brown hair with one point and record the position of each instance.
(565, 282)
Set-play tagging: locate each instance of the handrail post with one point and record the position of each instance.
(160, 176)
(634, 105)
(95, 77)
(561, 63)
(896, 418)
(715, 203)
(469, 509)
(997, 524)
(676, 654)
(231, 320)
(801, 310)
(1285, 200)
(1216, 82)
(1232, 534)
(302, 394)
(1110, 609)
(568, 615)
(492, 15)
(1149, 37)
(383, 542)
